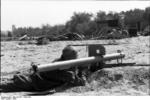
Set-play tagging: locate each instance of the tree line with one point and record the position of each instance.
(87, 24)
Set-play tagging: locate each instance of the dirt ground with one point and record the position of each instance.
(18, 56)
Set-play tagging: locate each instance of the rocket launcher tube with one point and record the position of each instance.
(70, 63)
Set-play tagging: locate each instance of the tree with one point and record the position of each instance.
(9, 34)
(77, 21)
(146, 14)
(146, 18)
(101, 15)
(133, 16)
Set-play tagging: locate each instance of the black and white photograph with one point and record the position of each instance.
(74, 48)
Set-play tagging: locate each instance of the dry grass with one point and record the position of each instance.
(114, 82)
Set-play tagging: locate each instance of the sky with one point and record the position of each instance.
(35, 13)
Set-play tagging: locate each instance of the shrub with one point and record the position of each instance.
(42, 41)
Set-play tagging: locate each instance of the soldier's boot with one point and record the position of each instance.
(8, 87)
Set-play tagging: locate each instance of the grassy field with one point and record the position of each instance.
(121, 80)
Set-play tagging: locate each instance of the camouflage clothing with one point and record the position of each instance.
(47, 80)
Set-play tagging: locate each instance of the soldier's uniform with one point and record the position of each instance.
(47, 80)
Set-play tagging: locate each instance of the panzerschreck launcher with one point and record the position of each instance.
(96, 53)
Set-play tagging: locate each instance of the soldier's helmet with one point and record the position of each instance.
(69, 53)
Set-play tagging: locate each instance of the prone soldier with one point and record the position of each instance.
(47, 80)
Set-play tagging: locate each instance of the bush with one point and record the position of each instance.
(42, 41)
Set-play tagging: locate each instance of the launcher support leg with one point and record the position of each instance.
(119, 62)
